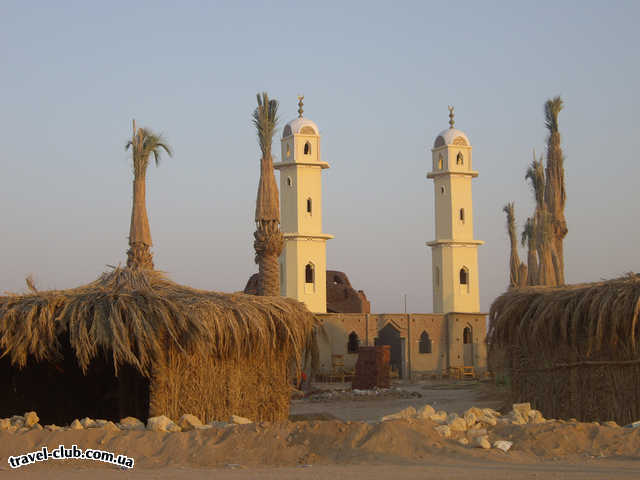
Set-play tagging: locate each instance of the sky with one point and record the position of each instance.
(377, 78)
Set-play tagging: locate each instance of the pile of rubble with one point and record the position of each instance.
(472, 428)
(355, 394)
(29, 421)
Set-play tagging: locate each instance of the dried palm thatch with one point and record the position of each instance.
(573, 351)
(140, 318)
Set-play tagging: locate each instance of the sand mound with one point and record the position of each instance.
(328, 442)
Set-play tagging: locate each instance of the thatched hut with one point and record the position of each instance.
(135, 343)
(572, 351)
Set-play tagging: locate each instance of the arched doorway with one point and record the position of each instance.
(467, 345)
(390, 335)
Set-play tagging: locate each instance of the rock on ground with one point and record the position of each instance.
(189, 422)
(443, 430)
(457, 424)
(88, 423)
(426, 412)
(162, 423)
(30, 419)
(503, 445)
(239, 420)
(110, 427)
(481, 441)
(439, 417)
(131, 423)
(406, 413)
(76, 425)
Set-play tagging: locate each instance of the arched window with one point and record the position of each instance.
(440, 162)
(464, 276)
(308, 205)
(309, 274)
(462, 215)
(307, 148)
(437, 279)
(425, 343)
(354, 343)
(467, 336)
(459, 159)
(288, 150)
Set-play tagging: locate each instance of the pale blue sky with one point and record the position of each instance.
(377, 78)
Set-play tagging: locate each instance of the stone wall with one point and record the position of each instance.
(445, 332)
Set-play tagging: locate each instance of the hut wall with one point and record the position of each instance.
(256, 387)
(560, 387)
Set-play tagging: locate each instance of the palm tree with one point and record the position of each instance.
(268, 237)
(143, 143)
(555, 192)
(514, 259)
(541, 224)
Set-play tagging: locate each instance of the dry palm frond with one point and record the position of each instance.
(599, 317)
(130, 313)
(145, 143)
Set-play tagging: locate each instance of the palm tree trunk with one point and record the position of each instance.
(532, 266)
(268, 246)
(522, 275)
(139, 254)
(514, 258)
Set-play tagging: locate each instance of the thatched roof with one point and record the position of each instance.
(590, 317)
(128, 313)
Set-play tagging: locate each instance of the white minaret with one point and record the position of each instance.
(454, 251)
(303, 263)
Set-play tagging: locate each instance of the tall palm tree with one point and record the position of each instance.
(555, 192)
(268, 241)
(143, 144)
(542, 225)
(514, 258)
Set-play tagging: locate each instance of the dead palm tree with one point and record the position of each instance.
(541, 225)
(268, 237)
(143, 143)
(529, 239)
(514, 259)
(555, 193)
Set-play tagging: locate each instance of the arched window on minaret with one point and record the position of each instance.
(440, 162)
(437, 279)
(459, 159)
(425, 343)
(288, 150)
(354, 343)
(462, 215)
(307, 148)
(464, 276)
(309, 205)
(309, 274)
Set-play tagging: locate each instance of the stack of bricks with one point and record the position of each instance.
(372, 368)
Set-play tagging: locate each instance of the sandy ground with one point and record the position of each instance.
(353, 446)
(451, 396)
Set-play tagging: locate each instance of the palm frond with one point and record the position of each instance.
(552, 109)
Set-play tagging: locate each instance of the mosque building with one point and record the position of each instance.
(421, 343)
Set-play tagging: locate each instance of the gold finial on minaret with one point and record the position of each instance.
(300, 104)
(451, 121)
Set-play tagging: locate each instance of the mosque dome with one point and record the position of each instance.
(300, 125)
(451, 136)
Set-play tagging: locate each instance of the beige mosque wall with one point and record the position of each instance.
(333, 339)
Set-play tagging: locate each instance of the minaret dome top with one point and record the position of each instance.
(300, 125)
(451, 136)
